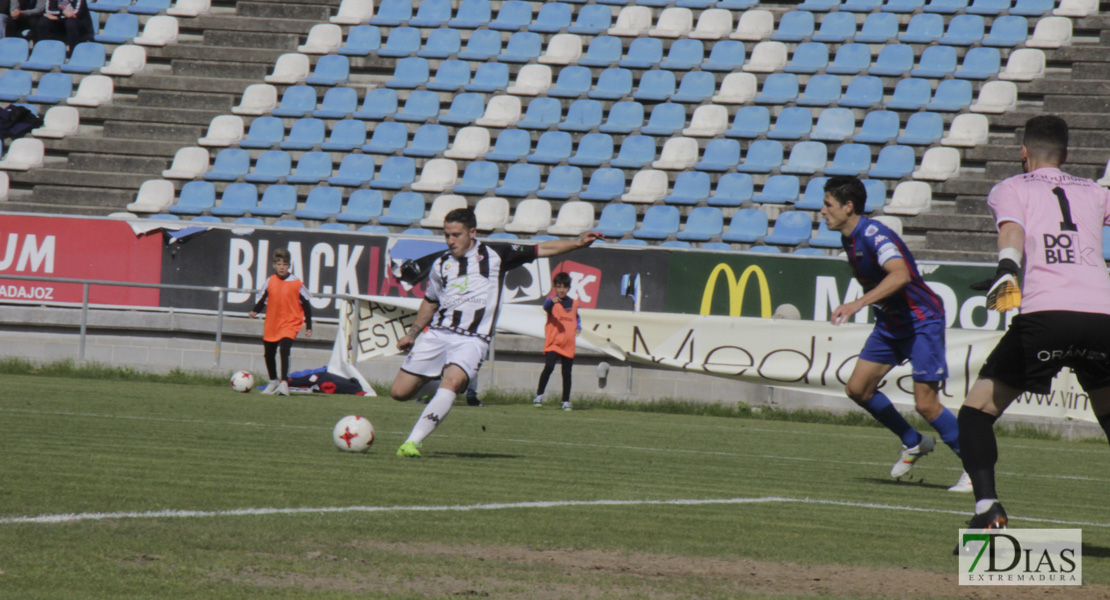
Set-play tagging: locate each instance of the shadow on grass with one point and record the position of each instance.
(471, 455)
(905, 482)
(1092, 551)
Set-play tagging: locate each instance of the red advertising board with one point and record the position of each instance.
(101, 249)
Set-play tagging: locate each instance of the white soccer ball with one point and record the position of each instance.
(353, 434)
(242, 381)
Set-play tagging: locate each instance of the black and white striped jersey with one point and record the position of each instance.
(468, 290)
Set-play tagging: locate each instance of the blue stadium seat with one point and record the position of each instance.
(523, 47)
(636, 152)
(733, 189)
(322, 203)
(684, 54)
(520, 180)
(13, 50)
(511, 146)
(594, 150)
(297, 101)
(513, 15)
(405, 209)
(333, 227)
(52, 88)
(736, 4)
(980, 63)
(489, 77)
(936, 62)
(624, 117)
(643, 53)
(338, 103)
(483, 45)
(747, 226)
(479, 178)
(563, 182)
(362, 206)
(582, 116)
(331, 69)
(237, 200)
(813, 198)
(572, 82)
(850, 59)
(850, 159)
(552, 148)
(696, 87)
(289, 224)
(15, 85)
(118, 29)
(472, 14)
(834, 125)
(387, 138)
(945, 7)
(441, 43)
(861, 6)
(613, 84)
(894, 162)
(879, 127)
(922, 129)
(676, 243)
(660, 222)
(720, 155)
(464, 110)
(272, 166)
(902, 6)
(806, 158)
(553, 17)
(230, 163)
(665, 119)
(792, 123)
(824, 238)
(819, 5)
(876, 194)
(750, 122)
(432, 13)
(395, 173)
(392, 12)
(592, 20)
(361, 40)
(894, 60)
(378, 104)
(542, 113)
(305, 134)
(924, 28)
(702, 224)
(1007, 31)
(990, 8)
(878, 28)
(420, 107)
(655, 85)
(346, 135)
(910, 94)
(354, 170)
(808, 57)
(792, 227)
(605, 185)
(821, 90)
(725, 56)
(836, 28)
(763, 156)
(778, 88)
(374, 229)
(794, 26)
(603, 51)
(964, 30)
(778, 189)
(617, 220)
(402, 41)
(951, 95)
(196, 197)
(410, 72)
(690, 188)
(503, 235)
(276, 201)
(451, 76)
(312, 167)
(45, 55)
(109, 6)
(717, 247)
(429, 140)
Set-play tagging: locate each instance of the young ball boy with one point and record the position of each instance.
(563, 325)
(286, 303)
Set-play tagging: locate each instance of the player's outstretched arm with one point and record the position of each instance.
(1003, 290)
(556, 247)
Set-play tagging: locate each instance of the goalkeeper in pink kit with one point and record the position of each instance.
(1050, 236)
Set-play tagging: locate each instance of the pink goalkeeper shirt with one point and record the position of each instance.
(1063, 217)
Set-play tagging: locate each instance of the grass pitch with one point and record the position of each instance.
(145, 489)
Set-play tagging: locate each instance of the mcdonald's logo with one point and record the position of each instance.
(736, 289)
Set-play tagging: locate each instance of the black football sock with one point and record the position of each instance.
(979, 450)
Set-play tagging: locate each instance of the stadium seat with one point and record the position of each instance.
(60, 121)
(894, 162)
(617, 220)
(1074, 8)
(702, 224)
(562, 183)
(979, 63)
(15, 85)
(230, 164)
(922, 129)
(289, 68)
(605, 184)
(582, 116)
(258, 99)
(13, 50)
(362, 206)
(824, 238)
(808, 58)
(437, 175)
(471, 14)
(45, 56)
(850, 159)
(223, 130)
(713, 24)
(894, 60)
(297, 101)
(572, 82)
(792, 123)
(522, 47)
(312, 168)
(511, 146)
(878, 28)
(470, 143)
(821, 90)
(52, 88)
(451, 76)
(665, 119)
(1024, 64)
(594, 150)
(272, 166)
(289, 224)
(409, 73)
(720, 155)
(678, 153)
(747, 226)
(660, 222)
(531, 80)
(656, 86)
(879, 127)
(850, 59)
(963, 30)
(392, 12)
(635, 152)
(491, 213)
(876, 194)
(643, 53)
(120, 28)
(378, 104)
(264, 132)
(322, 39)
(237, 200)
(530, 216)
(794, 26)
(592, 19)
(910, 94)
(353, 12)
(923, 28)
(603, 51)
(791, 228)
(355, 170)
(936, 62)
(574, 218)
(489, 77)
(733, 190)
(951, 95)
(725, 56)
(996, 97)
(819, 6)
(322, 204)
(501, 111)
(766, 57)
(154, 194)
(632, 21)
(443, 43)
(806, 158)
(836, 28)
(196, 197)
(684, 55)
(562, 49)
(432, 13)
(763, 156)
(520, 180)
(967, 130)
(346, 135)
(612, 84)
(552, 148)
(673, 22)
(479, 178)
(753, 25)
(405, 209)
(778, 88)
(387, 138)
(690, 188)
(331, 69)
(361, 41)
(395, 173)
(750, 122)
(542, 113)
(864, 91)
(736, 88)
(1007, 31)
(188, 163)
(623, 118)
(553, 17)
(421, 106)
(938, 164)
(834, 125)
(1032, 8)
(709, 120)
(304, 134)
(483, 45)
(439, 209)
(513, 15)
(648, 186)
(813, 198)
(428, 141)
(910, 198)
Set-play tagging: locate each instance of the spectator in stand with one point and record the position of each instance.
(25, 15)
(67, 20)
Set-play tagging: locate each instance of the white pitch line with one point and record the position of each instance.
(252, 512)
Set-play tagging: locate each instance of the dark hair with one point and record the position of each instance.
(462, 215)
(561, 278)
(1046, 138)
(848, 189)
(281, 254)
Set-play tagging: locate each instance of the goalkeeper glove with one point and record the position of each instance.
(1003, 291)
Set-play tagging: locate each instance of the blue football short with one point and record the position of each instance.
(923, 346)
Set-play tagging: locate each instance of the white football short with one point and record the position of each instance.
(438, 348)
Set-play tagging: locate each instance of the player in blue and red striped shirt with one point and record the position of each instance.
(909, 324)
